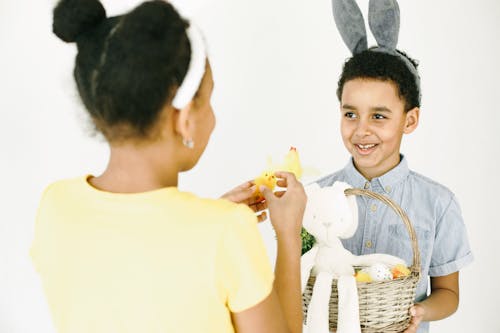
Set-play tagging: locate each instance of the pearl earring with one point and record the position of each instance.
(188, 143)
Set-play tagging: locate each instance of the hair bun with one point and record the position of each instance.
(74, 17)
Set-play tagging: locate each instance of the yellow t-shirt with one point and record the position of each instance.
(158, 261)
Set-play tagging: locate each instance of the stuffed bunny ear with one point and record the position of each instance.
(308, 219)
(349, 205)
(351, 25)
(383, 18)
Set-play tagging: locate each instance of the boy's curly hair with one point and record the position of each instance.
(382, 66)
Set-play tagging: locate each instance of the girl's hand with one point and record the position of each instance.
(417, 313)
(286, 207)
(244, 194)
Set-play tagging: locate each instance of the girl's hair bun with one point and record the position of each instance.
(72, 18)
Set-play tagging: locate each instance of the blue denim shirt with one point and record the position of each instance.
(432, 209)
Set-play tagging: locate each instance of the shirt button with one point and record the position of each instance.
(367, 185)
(369, 244)
(388, 189)
(373, 207)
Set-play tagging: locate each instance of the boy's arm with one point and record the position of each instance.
(442, 302)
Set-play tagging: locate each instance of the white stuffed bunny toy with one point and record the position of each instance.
(329, 216)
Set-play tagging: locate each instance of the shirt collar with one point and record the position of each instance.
(384, 183)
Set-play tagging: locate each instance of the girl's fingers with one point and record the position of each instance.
(266, 193)
(245, 185)
(241, 187)
(258, 206)
(279, 194)
(281, 183)
(240, 195)
(288, 177)
(262, 217)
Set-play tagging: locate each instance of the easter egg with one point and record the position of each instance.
(379, 272)
(363, 276)
(400, 270)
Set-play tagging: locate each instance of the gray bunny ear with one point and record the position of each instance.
(351, 25)
(383, 18)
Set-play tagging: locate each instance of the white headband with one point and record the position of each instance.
(196, 70)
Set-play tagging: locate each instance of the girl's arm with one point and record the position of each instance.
(281, 311)
(442, 302)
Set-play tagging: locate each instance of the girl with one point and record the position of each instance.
(126, 251)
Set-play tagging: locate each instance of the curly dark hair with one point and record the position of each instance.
(127, 66)
(382, 66)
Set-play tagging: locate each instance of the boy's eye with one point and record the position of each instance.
(350, 115)
(378, 116)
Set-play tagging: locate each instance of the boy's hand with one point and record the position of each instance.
(244, 194)
(417, 313)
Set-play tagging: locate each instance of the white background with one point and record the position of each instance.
(275, 64)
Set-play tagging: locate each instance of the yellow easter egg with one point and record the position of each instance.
(363, 277)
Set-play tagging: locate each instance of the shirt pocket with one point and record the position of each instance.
(400, 244)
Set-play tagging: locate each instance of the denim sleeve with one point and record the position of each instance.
(451, 250)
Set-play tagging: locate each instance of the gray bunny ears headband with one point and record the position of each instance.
(383, 19)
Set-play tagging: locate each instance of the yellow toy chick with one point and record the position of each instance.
(267, 177)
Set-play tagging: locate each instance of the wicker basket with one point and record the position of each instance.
(383, 306)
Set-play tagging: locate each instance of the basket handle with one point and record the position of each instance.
(415, 267)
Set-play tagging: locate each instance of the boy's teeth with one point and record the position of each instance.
(366, 146)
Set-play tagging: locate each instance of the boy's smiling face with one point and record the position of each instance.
(373, 121)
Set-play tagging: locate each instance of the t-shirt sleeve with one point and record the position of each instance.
(451, 250)
(243, 266)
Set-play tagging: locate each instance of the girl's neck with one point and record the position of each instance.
(133, 169)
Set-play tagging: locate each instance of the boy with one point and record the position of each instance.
(379, 102)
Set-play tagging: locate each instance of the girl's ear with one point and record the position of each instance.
(383, 19)
(351, 25)
(183, 122)
(411, 122)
